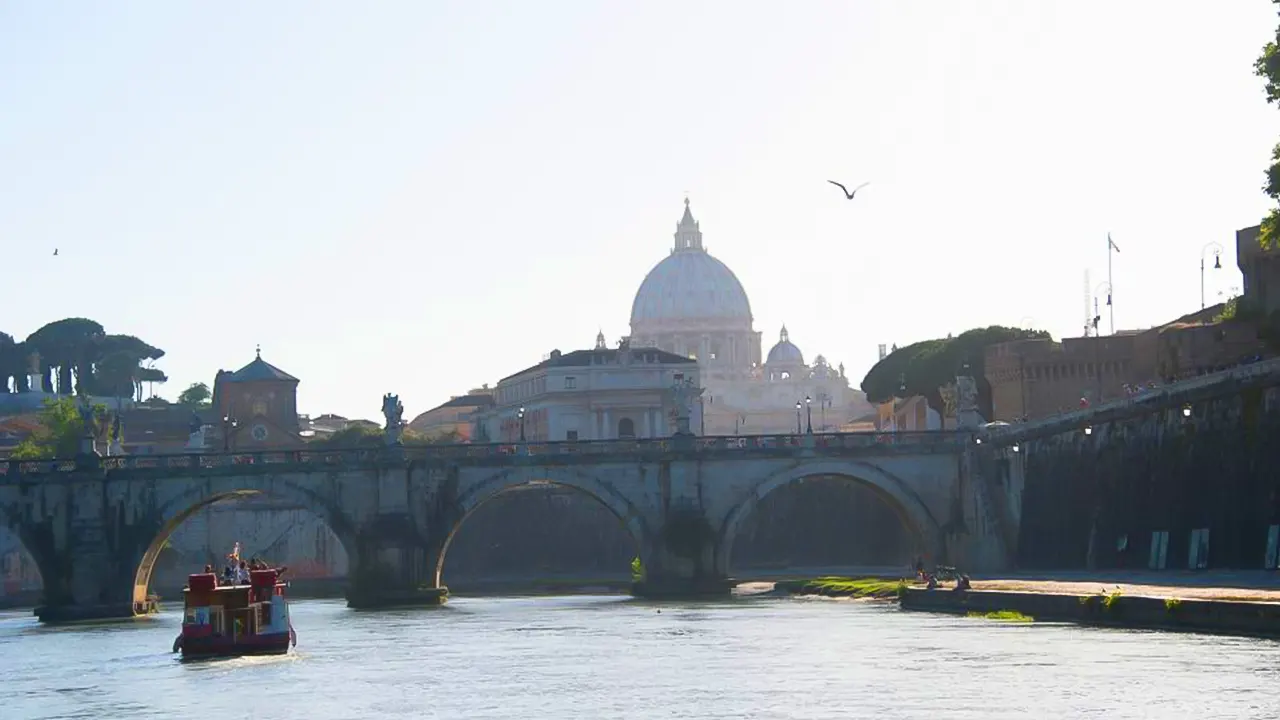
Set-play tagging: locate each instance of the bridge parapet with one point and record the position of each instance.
(1175, 395)
(513, 454)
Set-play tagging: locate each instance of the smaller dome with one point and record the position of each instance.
(784, 353)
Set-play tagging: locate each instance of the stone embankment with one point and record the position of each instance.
(1251, 612)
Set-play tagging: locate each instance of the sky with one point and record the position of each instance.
(421, 197)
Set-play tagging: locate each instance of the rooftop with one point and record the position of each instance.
(606, 356)
(257, 370)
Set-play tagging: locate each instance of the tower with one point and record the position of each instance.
(258, 406)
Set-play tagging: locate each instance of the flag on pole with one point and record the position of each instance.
(1111, 244)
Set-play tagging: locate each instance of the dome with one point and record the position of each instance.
(689, 284)
(784, 353)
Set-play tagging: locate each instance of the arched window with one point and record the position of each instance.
(626, 428)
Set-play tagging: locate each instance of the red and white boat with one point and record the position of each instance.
(229, 620)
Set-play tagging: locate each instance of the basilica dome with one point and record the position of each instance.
(785, 352)
(689, 284)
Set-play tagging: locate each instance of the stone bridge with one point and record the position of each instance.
(96, 526)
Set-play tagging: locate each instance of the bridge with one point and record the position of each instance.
(95, 526)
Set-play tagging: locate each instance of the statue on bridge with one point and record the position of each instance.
(967, 415)
(89, 425)
(195, 433)
(393, 412)
(683, 392)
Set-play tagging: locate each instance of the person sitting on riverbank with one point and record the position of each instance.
(962, 583)
(932, 584)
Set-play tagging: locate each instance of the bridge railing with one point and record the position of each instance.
(708, 446)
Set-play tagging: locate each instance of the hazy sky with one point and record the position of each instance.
(419, 197)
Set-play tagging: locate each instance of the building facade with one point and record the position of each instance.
(1036, 378)
(598, 394)
(692, 305)
(456, 417)
(259, 404)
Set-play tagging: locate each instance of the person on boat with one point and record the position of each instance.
(228, 576)
(242, 573)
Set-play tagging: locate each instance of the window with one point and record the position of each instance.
(570, 383)
(571, 435)
(1198, 553)
(1159, 550)
(626, 428)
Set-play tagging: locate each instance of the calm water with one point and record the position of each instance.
(593, 657)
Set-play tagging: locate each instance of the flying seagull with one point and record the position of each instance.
(55, 251)
(849, 195)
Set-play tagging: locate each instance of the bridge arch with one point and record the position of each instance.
(499, 483)
(921, 524)
(194, 497)
(31, 546)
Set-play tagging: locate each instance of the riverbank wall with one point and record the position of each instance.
(1221, 617)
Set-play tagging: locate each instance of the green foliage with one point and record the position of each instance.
(1229, 310)
(196, 395)
(1003, 616)
(1171, 605)
(926, 366)
(879, 588)
(1267, 66)
(367, 435)
(355, 435)
(637, 570)
(60, 432)
(1110, 599)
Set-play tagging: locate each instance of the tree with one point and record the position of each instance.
(67, 345)
(925, 368)
(1267, 66)
(196, 395)
(12, 364)
(117, 366)
(61, 429)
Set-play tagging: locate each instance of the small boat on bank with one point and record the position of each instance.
(230, 620)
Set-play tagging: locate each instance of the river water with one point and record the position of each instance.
(607, 657)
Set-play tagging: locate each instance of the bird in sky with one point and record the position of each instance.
(849, 195)
(55, 252)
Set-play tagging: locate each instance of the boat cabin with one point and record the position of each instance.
(235, 619)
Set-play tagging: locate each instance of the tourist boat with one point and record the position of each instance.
(232, 620)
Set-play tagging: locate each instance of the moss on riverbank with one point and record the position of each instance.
(877, 588)
(1003, 616)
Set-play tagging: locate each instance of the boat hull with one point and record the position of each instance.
(222, 647)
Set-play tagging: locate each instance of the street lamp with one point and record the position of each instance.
(798, 430)
(1217, 265)
(808, 411)
(228, 424)
(520, 417)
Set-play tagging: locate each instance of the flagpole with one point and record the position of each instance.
(1111, 289)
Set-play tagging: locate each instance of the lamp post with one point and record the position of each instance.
(808, 412)
(520, 417)
(228, 424)
(798, 429)
(1217, 265)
